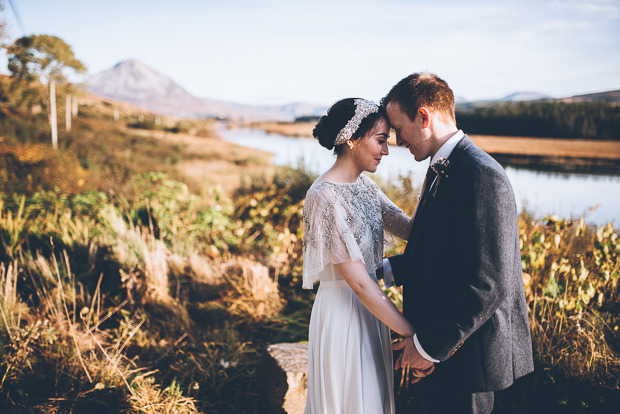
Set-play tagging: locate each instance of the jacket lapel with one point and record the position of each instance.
(421, 216)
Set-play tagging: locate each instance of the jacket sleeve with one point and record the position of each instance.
(399, 268)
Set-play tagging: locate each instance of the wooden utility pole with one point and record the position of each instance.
(68, 113)
(53, 124)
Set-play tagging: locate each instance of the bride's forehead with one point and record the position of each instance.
(382, 126)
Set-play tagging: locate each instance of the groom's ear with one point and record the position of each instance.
(425, 116)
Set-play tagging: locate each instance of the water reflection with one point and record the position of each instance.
(542, 193)
(594, 197)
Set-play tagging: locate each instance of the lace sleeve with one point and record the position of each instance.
(328, 237)
(395, 221)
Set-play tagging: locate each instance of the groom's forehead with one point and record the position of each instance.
(395, 113)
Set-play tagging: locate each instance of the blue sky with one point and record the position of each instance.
(282, 51)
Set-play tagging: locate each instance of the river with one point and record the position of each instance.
(595, 197)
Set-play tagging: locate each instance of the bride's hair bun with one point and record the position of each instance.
(330, 125)
(322, 132)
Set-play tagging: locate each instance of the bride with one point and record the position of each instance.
(349, 356)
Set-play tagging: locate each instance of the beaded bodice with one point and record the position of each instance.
(345, 222)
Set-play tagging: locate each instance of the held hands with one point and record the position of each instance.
(410, 358)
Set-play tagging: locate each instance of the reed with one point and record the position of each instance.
(572, 273)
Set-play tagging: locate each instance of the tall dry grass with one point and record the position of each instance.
(572, 273)
(100, 334)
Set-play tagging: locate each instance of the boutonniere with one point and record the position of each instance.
(440, 167)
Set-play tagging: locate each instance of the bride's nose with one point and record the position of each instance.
(385, 149)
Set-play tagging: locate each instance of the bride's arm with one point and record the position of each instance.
(373, 298)
(395, 221)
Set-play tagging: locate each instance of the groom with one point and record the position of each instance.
(461, 270)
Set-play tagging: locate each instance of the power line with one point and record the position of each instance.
(17, 16)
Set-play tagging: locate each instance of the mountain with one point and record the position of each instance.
(133, 82)
(610, 96)
(136, 83)
(525, 96)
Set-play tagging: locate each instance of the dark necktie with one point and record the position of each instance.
(428, 182)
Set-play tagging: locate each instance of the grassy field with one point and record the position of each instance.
(205, 160)
(146, 266)
(211, 161)
(528, 146)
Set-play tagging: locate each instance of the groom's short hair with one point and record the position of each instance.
(422, 89)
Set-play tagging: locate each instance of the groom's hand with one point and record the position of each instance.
(411, 358)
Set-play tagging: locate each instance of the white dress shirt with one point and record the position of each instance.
(388, 276)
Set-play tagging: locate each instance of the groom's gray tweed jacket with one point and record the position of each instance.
(462, 279)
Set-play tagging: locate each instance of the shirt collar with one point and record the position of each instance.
(448, 146)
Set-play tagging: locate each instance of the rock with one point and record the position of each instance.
(286, 377)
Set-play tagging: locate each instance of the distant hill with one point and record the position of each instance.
(525, 96)
(136, 83)
(603, 97)
(610, 96)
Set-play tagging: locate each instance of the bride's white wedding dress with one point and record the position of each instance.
(350, 367)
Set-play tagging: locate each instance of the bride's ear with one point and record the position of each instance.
(350, 144)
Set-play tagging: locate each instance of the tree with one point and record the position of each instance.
(43, 56)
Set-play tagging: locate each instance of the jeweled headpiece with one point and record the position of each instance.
(363, 108)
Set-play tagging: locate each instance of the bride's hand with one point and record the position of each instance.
(411, 358)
